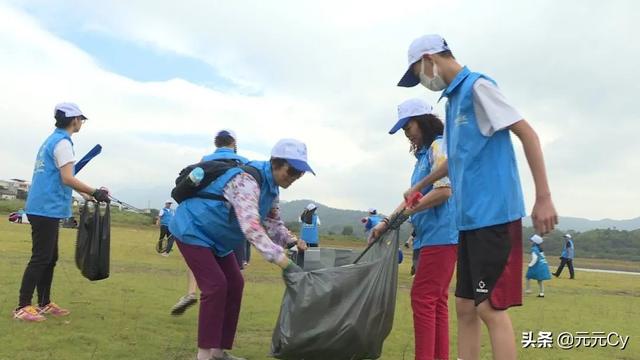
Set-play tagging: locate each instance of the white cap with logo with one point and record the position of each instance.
(69, 109)
(294, 151)
(408, 109)
(426, 44)
(311, 206)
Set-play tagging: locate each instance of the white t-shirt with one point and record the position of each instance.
(63, 153)
(493, 112)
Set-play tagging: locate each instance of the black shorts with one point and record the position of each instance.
(490, 265)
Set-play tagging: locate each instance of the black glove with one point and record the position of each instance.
(101, 195)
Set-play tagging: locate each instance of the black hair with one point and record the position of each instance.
(223, 139)
(430, 126)
(62, 121)
(277, 163)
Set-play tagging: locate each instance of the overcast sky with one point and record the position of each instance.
(158, 78)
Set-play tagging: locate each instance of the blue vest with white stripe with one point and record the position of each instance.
(211, 223)
(309, 232)
(48, 196)
(434, 226)
(483, 171)
(225, 153)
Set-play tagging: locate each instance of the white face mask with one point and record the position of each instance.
(435, 83)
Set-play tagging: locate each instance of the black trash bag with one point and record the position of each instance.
(93, 243)
(339, 313)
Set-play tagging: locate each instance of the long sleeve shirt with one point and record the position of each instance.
(243, 193)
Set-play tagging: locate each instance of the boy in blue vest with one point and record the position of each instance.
(486, 191)
(164, 218)
(49, 200)
(566, 258)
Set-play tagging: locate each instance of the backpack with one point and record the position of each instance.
(213, 169)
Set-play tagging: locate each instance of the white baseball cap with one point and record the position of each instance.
(227, 132)
(408, 109)
(294, 151)
(69, 110)
(169, 201)
(536, 239)
(426, 44)
(372, 211)
(567, 236)
(311, 206)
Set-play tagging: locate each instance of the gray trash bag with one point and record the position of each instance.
(321, 258)
(339, 313)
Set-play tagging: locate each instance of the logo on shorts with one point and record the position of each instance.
(482, 287)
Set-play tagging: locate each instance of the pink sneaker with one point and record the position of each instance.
(54, 309)
(28, 313)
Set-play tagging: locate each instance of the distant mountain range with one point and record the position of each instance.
(334, 220)
(581, 225)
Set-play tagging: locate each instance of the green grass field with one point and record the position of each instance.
(127, 315)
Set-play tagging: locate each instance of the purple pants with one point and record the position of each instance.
(221, 285)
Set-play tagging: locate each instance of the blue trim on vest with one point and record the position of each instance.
(210, 223)
(483, 170)
(48, 195)
(434, 226)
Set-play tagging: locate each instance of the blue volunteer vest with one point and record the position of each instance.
(483, 171)
(434, 226)
(539, 270)
(210, 223)
(225, 153)
(372, 221)
(167, 215)
(568, 253)
(309, 232)
(48, 196)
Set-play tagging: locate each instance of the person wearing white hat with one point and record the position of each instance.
(49, 200)
(164, 218)
(486, 190)
(207, 238)
(538, 267)
(566, 258)
(436, 236)
(310, 222)
(226, 145)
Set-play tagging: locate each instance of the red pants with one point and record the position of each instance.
(429, 296)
